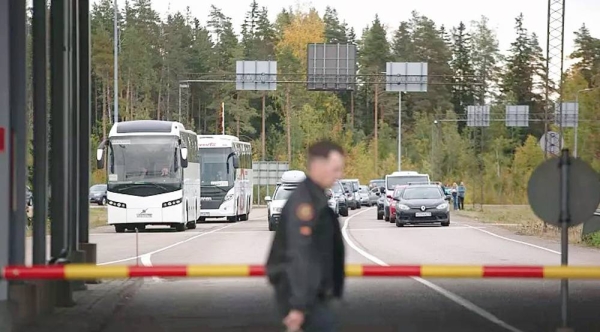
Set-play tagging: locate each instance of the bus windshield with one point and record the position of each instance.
(214, 170)
(143, 165)
(393, 181)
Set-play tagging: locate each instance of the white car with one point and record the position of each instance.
(332, 202)
(364, 195)
(289, 182)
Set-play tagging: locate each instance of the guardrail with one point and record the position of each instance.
(90, 272)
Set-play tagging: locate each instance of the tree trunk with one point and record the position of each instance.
(352, 109)
(104, 106)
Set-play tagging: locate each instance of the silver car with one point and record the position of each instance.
(364, 197)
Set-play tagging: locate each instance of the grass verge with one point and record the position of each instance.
(98, 218)
(522, 220)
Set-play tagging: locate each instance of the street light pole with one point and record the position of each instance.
(399, 131)
(116, 64)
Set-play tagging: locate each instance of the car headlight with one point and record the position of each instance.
(228, 197)
(402, 207)
(277, 209)
(442, 206)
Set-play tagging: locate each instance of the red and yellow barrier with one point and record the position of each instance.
(88, 272)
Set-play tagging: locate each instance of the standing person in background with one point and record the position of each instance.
(306, 262)
(461, 195)
(455, 195)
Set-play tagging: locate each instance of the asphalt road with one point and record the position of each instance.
(374, 304)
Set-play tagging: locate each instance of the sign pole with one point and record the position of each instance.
(564, 221)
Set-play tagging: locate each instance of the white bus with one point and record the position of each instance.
(153, 175)
(227, 186)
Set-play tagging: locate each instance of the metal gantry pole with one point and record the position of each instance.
(74, 195)
(40, 131)
(18, 122)
(116, 61)
(59, 22)
(5, 151)
(85, 118)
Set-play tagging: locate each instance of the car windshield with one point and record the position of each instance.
(283, 193)
(422, 193)
(363, 190)
(337, 188)
(393, 181)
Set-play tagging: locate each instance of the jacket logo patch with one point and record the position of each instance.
(305, 212)
(305, 230)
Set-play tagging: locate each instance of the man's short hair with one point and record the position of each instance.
(323, 149)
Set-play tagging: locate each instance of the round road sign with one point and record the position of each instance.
(543, 191)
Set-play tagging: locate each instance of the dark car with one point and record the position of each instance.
(381, 203)
(98, 194)
(422, 204)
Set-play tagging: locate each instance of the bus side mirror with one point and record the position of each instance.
(184, 155)
(100, 155)
(236, 162)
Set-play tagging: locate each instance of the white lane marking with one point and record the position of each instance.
(439, 229)
(145, 260)
(509, 239)
(167, 247)
(449, 295)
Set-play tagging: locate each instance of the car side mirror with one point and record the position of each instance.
(382, 190)
(184, 156)
(268, 198)
(448, 197)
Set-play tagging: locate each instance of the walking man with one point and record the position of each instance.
(462, 190)
(306, 262)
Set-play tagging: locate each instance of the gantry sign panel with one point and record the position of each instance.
(570, 114)
(406, 77)
(331, 67)
(256, 75)
(478, 116)
(517, 115)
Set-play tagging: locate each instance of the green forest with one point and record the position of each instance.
(156, 54)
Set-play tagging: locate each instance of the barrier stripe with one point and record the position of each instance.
(457, 271)
(510, 271)
(91, 272)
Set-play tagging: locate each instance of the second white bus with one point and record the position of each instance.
(227, 185)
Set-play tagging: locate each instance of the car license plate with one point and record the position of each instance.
(204, 214)
(423, 214)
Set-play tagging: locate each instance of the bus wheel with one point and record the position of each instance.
(232, 219)
(191, 225)
(120, 228)
(180, 227)
(243, 217)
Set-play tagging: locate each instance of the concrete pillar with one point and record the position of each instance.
(23, 296)
(78, 257)
(90, 257)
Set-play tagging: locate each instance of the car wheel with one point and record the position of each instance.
(446, 224)
(399, 224)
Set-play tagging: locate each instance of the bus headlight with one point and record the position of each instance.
(116, 204)
(171, 203)
(228, 197)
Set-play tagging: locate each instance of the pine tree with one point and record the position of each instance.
(485, 56)
(463, 93)
(335, 32)
(587, 52)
